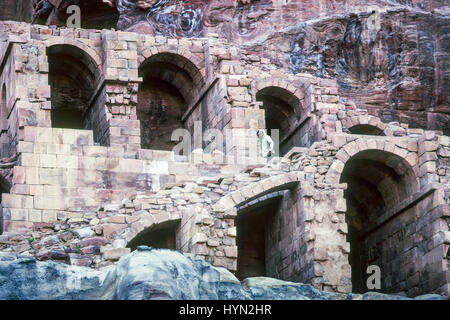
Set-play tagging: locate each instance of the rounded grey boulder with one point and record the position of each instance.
(151, 274)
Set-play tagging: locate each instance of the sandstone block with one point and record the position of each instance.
(351, 148)
(17, 201)
(85, 233)
(231, 252)
(18, 214)
(110, 230)
(47, 160)
(199, 238)
(215, 243)
(231, 232)
(35, 215)
(341, 205)
(226, 203)
(49, 216)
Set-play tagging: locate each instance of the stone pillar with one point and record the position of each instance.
(121, 87)
(124, 128)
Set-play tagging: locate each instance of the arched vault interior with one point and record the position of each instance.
(73, 77)
(378, 182)
(282, 112)
(170, 85)
(159, 236)
(366, 129)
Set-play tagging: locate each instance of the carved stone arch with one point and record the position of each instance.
(244, 195)
(145, 224)
(365, 125)
(382, 187)
(162, 235)
(286, 91)
(88, 51)
(284, 110)
(351, 148)
(75, 72)
(259, 211)
(183, 58)
(171, 85)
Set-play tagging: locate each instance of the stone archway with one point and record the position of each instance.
(158, 230)
(394, 219)
(160, 236)
(255, 190)
(256, 235)
(365, 125)
(3, 123)
(271, 228)
(378, 181)
(74, 74)
(171, 83)
(284, 112)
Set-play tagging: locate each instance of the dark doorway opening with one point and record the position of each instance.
(282, 113)
(171, 83)
(4, 141)
(72, 78)
(161, 236)
(160, 112)
(254, 227)
(377, 182)
(366, 129)
(5, 187)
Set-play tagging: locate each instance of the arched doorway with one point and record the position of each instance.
(5, 187)
(4, 123)
(159, 236)
(170, 84)
(73, 77)
(282, 112)
(254, 230)
(379, 184)
(366, 129)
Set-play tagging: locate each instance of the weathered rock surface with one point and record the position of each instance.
(149, 274)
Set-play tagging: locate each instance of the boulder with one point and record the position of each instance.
(152, 274)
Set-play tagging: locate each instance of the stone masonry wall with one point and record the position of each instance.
(74, 201)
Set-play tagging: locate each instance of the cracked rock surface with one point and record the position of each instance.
(152, 274)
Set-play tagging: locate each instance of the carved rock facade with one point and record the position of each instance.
(89, 172)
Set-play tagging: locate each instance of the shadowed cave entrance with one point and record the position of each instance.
(282, 112)
(72, 77)
(170, 85)
(378, 182)
(4, 140)
(5, 187)
(254, 226)
(366, 129)
(160, 236)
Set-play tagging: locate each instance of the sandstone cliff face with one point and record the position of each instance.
(150, 274)
(392, 63)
